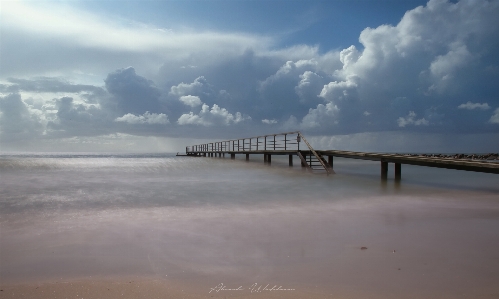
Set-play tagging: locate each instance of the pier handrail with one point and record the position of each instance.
(235, 145)
(314, 152)
(274, 145)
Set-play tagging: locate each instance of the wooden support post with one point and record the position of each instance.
(247, 157)
(232, 156)
(269, 158)
(204, 154)
(384, 170)
(330, 161)
(290, 160)
(398, 171)
(264, 158)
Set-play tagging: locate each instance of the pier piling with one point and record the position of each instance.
(384, 170)
(398, 171)
(314, 160)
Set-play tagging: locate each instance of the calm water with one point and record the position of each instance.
(213, 220)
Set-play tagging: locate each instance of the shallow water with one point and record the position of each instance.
(210, 220)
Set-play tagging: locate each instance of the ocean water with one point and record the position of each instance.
(206, 221)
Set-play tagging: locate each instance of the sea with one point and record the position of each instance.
(210, 221)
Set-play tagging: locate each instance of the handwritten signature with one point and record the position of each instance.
(254, 288)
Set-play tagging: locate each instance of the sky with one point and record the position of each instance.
(156, 76)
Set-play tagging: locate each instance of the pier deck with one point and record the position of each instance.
(289, 144)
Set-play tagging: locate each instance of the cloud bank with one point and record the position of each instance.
(416, 76)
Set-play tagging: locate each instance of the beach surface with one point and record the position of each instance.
(166, 227)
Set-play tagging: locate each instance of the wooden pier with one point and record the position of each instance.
(315, 160)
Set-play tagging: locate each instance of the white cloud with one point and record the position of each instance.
(309, 86)
(435, 59)
(192, 101)
(322, 115)
(288, 69)
(269, 121)
(410, 120)
(343, 90)
(146, 118)
(471, 106)
(103, 43)
(210, 117)
(349, 56)
(89, 30)
(188, 88)
(494, 119)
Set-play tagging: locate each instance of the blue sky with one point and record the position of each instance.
(159, 75)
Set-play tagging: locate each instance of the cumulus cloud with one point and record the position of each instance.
(146, 118)
(309, 85)
(195, 87)
(131, 92)
(293, 88)
(323, 114)
(210, 117)
(78, 119)
(435, 59)
(494, 119)
(438, 53)
(192, 101)
(340, 91)
(289, 68)
(16, 121)
(472, 106)
(410, 120)
(269, 121)
(349, 56)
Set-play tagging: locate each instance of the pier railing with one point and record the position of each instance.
(280, 142)
(289, 141)
(289, 144)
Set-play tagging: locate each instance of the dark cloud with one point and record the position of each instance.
(79, 119)
(16, 121)
(132, 93)
(436, 71)
(49, 84)
(414, 75)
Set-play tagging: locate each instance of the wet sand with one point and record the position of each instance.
(415, 248)
(74, 229)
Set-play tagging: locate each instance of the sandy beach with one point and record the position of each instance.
(249, 232)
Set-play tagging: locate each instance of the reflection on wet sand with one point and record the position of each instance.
(130, 232)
